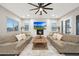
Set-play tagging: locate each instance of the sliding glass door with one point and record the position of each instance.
(67, 27)
(77, 25)
(61, 26)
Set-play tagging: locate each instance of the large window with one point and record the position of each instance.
(61, 26)
(12, 25)
(67, 27)
(54, 27)
(77, 25)
(26, 27)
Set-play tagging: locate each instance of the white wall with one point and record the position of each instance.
(4, 14)
(72, 16)
(31, 25)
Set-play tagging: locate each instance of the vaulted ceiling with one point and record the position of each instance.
(23, 9)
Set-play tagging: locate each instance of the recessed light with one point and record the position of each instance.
(53, 15)
(28, 15)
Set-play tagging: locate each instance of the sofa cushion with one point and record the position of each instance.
(58, 42)
(59, 36)
(69, 43)
(71, 38)
(7, 39)
(50, 34)
(26, 33)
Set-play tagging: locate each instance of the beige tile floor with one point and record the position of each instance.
(50, 52)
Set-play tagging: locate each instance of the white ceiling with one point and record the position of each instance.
(23, 9)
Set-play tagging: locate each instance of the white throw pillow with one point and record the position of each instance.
(55, 35)
(19, 37)
(23, 36)
(59, 36)
(50, 34)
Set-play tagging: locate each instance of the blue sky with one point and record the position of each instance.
(11, 22)
(39, 23)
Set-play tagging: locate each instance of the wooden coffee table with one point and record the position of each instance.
(40, 42)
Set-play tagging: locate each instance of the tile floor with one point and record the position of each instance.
(50, 52)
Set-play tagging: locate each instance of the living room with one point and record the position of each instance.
(51, 29)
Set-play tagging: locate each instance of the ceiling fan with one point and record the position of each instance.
(41, 7)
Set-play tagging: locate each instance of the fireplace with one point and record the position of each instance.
(40, 32)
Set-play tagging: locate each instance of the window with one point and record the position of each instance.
(77, 25)
(67, 26)
(54, 27)
(12, 25)
(26, 27)
(61, 26)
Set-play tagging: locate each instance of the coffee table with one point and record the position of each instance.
(40, 42)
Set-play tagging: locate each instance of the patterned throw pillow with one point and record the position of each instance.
(19, 37)
(55, 36)
(59, 36)
(23, 36)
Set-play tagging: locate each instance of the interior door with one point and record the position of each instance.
(77, 25)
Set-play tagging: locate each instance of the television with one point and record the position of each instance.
(40, 32)
(39, 25)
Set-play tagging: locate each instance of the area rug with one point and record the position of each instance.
(39, 48)
(51, 51)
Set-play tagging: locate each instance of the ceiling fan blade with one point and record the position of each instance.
(40, 12)
(33, 9)
(49, 8)
(37, 11)
(40, 4)
(47, 4)
(33, 4)
(44, 11)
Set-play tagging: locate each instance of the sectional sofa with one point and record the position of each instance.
(66, 44)
(10, 46)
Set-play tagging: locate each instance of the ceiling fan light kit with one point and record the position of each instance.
(41, 7)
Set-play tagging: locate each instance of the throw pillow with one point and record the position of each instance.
(23, 36)
(59, 36)
(50, 34)
(55, 36)
(19, 37)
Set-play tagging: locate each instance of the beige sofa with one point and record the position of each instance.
(10, 46)
(67, 44)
